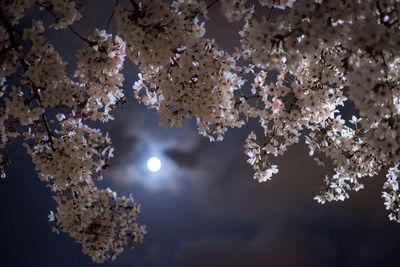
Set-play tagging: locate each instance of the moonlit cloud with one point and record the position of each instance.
(140, 141)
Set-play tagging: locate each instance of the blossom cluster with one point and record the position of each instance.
(257, 157)
(392, 193)
(198, 83)
(183, 75)
(106, 222)
(98, 70)
(155, 31)
(233, 10)
(66, 10)
(68, 155)
(46, 73)
(328, 49)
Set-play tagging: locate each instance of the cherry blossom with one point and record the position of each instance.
(330, 59)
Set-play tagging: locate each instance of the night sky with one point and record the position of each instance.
(203, 208)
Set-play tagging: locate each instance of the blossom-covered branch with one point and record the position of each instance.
(323, 54)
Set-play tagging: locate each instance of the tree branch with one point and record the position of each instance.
(14, 44)
(212, 3)
(270, 13)
(135, 6)
(50, 10)
(112, 14)
(246, 98)
(25, 66)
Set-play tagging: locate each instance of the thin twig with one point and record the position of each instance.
(50, 134)
(49, 9)
(112, 14)
(270, 13)
(246, 98)
(212, 3)
(135, 6)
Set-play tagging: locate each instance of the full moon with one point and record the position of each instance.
(154, 164)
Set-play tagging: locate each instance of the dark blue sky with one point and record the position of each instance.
(203, 208)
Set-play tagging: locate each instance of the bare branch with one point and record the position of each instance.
(212, 3)
(111, 15)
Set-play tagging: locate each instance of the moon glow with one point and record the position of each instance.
(154, 164)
